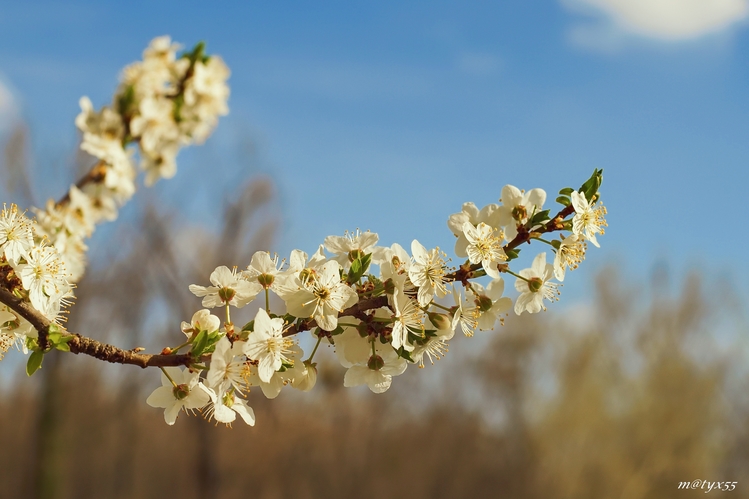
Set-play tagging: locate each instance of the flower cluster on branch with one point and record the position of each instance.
(381, 307)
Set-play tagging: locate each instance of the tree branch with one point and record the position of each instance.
(82, 345)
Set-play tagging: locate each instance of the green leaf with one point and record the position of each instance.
(512, 253)
(355, 267)
(285, 366)
(539, 217)
(35, 362)
(250, 326)
(564, 200)
(358, 267)
(32, 343)
(211, 340)
(199, 344)
(365, 262)
(566, 191)
(57, 339)
(590, 187)
(402, 352)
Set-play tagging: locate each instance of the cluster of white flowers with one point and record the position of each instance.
(30, 270)
(164, 102)
(398, 320)
(379, 307)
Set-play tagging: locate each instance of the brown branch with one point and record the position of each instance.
(82, 345)
(95, 175)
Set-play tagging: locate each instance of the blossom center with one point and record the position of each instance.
(181, 391)
(519, 213)
(535, 284)
(226, 294)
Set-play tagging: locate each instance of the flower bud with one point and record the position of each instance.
(440, 321)
(306, 381)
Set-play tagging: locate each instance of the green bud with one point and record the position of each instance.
(265, 280)
(307, 275)
(354, 254)
(228, 399)
(519, 213)
(181, 391)
(226, 294)
(483, 302)
(375, 363)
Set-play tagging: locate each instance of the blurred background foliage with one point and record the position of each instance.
(625, 397)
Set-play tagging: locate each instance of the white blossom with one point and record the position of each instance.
(225, 405)
(322, 296)
(408, 319)
(267, 346)
(570, 253)
(378, 371)
(354, 245)
(588, 220)
(517, 207)
(16, 238)
(427, 271)
(534, 286)
(186, 392)
(489, 215)
(485, 247)
(466, 314)
(44, 277)
(490, 303)
(228, 288)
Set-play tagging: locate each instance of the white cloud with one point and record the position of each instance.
(666, 20)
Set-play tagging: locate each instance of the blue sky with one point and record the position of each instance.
(416, 107)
